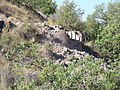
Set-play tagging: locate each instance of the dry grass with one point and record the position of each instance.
(12, 10)
(90, 44)
(19, 13)
(3, 65)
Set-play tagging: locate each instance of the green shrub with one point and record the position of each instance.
(47, 6)
(69, 16)
(108, 41)
(103, 27)
(85, 74)
(9, 40)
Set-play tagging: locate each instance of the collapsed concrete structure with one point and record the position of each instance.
(75, 35)
(70, 39)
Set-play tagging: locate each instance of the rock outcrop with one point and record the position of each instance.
(64, 49)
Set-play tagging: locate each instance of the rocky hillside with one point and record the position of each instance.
(21, 33)
(61, 48)
(44, 34)
(19, 14)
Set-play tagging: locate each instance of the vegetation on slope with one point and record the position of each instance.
(68, 16)
(103, 26)
(46, 6)
(14, 13)
(31, 72)
(22, 67)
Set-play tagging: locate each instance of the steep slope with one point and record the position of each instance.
(29, 43)
(21, 13)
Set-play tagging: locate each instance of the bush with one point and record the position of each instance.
(69, 16)
(108, 41)
(85, 74)
(9, 40)
(47, 6)
(103, 27)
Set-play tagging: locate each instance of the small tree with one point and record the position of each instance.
(69, 16)
(96, 21)
(92, 27)
(109, 38)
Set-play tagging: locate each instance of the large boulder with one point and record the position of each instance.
(61, 37)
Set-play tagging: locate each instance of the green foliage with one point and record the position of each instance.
(47, 6)
(28, 86)
(100, 18)
(108, 39)
(85, 74)
(109, 42)
(103, 27)
(69, 16)
(21, 51)
(96, 21)
(14, 47)
(92, 26)
(9, 40)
